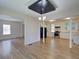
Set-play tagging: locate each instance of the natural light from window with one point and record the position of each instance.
(6, 29)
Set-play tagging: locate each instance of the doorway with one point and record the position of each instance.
(43, 33)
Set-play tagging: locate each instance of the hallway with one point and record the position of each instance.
(50, 49)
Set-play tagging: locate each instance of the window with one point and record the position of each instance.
(6, 29)
(52, 28)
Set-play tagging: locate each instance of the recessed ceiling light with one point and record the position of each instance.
(51, 20)
(68, 18)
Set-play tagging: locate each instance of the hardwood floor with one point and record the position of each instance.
(50, 49)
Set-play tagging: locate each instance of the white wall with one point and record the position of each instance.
(16, 29)
(31, 25)
(32, 30)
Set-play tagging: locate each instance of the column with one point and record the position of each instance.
(70, 40)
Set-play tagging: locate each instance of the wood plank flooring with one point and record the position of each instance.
(50, 49)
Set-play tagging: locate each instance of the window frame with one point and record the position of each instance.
(6, 29)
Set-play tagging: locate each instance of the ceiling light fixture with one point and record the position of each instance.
(68, 18)
(51, 20)
(42, 18)
(39, 18)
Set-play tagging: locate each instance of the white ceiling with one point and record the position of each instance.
(65, 8)
(6, 17)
